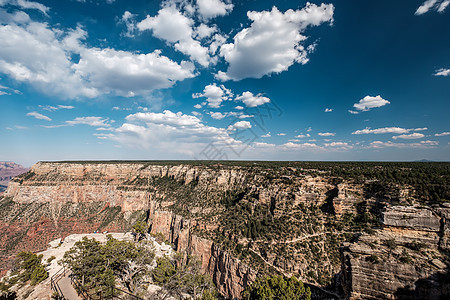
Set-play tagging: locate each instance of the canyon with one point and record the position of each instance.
(343, 236)
(8, 170)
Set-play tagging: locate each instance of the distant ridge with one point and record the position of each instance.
(424, 160)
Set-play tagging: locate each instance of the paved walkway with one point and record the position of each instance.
(67, 289)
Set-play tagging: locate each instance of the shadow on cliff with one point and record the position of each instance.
(434, 287)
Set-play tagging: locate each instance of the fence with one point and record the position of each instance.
(115, 293)
(54, 281)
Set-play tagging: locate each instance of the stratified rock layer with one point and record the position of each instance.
(403, 260)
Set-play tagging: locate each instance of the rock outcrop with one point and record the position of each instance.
(7, 171)
(403, 260)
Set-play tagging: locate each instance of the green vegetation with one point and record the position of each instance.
(276, 287)
(28, 268)
(140, 229)
(98, 265)
(179, 278)
(123, 264)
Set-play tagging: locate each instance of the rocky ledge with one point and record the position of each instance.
(405, 259)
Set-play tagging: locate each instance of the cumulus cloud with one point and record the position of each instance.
(267, 135)
(411, 136)
(98, 71)
(442, 134)
(251, 100)
(168, 132)
(209, 9)
(204, 31)
(281, 134)
(175, 28)
(214, 95)
(300, 136)
(338, 144)
(396, 130)
(369, 102)
(38, 116)
(328, 109)
(217, 115)
(326, 134)
(272, 43)
(442, 72)
(240, 126)
(290, 145)
(436, 5)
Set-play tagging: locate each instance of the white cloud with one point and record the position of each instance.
(217, 115)
(53, 108)
(204, 31)
(38, 116)
(369, 102)
(272, 43)
(338, 144)
(437, 5)
(267, 135)
(328, 109)
(239, 107)
(168, 132)
(262, 144)
(130, 74)
(26, 5)
(291, 145)
(411, 136)
(353, 112)
(4, 90)
(422, 144)
(240, 125)
(442, 134)
(197, 106)
(209, 9)
(442, 72)
(91, 121)
(251, 100)
(129, 20)
(396, 130)
(326, 134)
(302, 136)
(174, 27)
(214, 95)
(281, 134)
(98, 71)
(66, 106)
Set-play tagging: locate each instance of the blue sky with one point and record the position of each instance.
(224, 79)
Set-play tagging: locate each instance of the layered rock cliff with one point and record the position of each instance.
(8, 170)
(241, 219)
(405, 259)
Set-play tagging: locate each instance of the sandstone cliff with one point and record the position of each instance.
(240, 219)
(405, 259)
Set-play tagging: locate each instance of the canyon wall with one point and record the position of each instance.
(405, 259)
(241, 220)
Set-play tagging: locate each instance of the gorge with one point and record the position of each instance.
(343, 228)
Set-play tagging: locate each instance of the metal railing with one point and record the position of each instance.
(54, 281)
(115, 293)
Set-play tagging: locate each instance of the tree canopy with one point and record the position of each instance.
(277, 287)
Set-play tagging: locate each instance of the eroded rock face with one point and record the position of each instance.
(403, 260)
(412, 217)
(229, 274)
